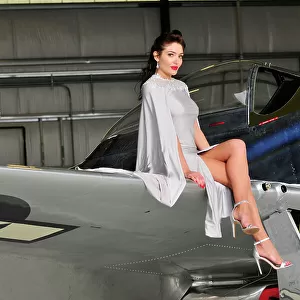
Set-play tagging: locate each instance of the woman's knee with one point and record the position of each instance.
(237, 145)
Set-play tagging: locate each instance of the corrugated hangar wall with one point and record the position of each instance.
(35, 126)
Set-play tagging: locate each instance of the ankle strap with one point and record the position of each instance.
(241, 202)
(261, 241)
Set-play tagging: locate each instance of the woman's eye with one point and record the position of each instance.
(170, 54)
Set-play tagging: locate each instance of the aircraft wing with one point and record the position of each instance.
(83, 234)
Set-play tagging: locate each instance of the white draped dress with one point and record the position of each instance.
(168, 112)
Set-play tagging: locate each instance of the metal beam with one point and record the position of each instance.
(70, 73)
(153, 3)
(164, 16)
(239, 28)
(139, 60)
(270, 2)
(74, 60)
(70, 6)
(19, 79)
(62, 117)
(233, 3)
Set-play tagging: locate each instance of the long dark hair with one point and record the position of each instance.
(174, 36)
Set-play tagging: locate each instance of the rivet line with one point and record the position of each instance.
(178, 253)
(133, 270)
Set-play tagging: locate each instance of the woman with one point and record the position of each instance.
(169, 138)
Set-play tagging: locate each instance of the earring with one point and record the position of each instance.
(157, 65)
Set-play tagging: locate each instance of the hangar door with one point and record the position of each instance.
(12, 146)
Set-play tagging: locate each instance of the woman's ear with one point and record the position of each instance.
(156, 55)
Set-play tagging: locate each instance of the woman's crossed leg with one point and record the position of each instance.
(228, 165)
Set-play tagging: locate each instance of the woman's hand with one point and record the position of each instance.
(196, 177)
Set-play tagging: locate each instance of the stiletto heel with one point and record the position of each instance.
(283, 265)
(233, 228)
(250, 229)
(257, 261)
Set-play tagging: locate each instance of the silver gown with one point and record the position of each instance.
(169, 113)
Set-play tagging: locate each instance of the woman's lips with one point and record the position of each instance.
(174, 68)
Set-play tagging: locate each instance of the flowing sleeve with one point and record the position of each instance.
(158, 163)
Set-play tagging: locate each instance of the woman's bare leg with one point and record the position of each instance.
(267, 248)
(233, 154)
(222, 172)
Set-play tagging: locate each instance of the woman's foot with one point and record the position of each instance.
(268, 250)
(241, 214)
(269, 254)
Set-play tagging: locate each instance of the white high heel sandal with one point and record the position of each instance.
(283, 265)
(250, 229)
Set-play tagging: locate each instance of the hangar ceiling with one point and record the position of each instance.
(203, 2)
(63, 1)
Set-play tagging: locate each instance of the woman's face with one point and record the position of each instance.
(169, 60)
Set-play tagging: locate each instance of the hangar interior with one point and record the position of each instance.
(69, 71)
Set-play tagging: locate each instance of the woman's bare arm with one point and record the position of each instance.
(200, 139)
